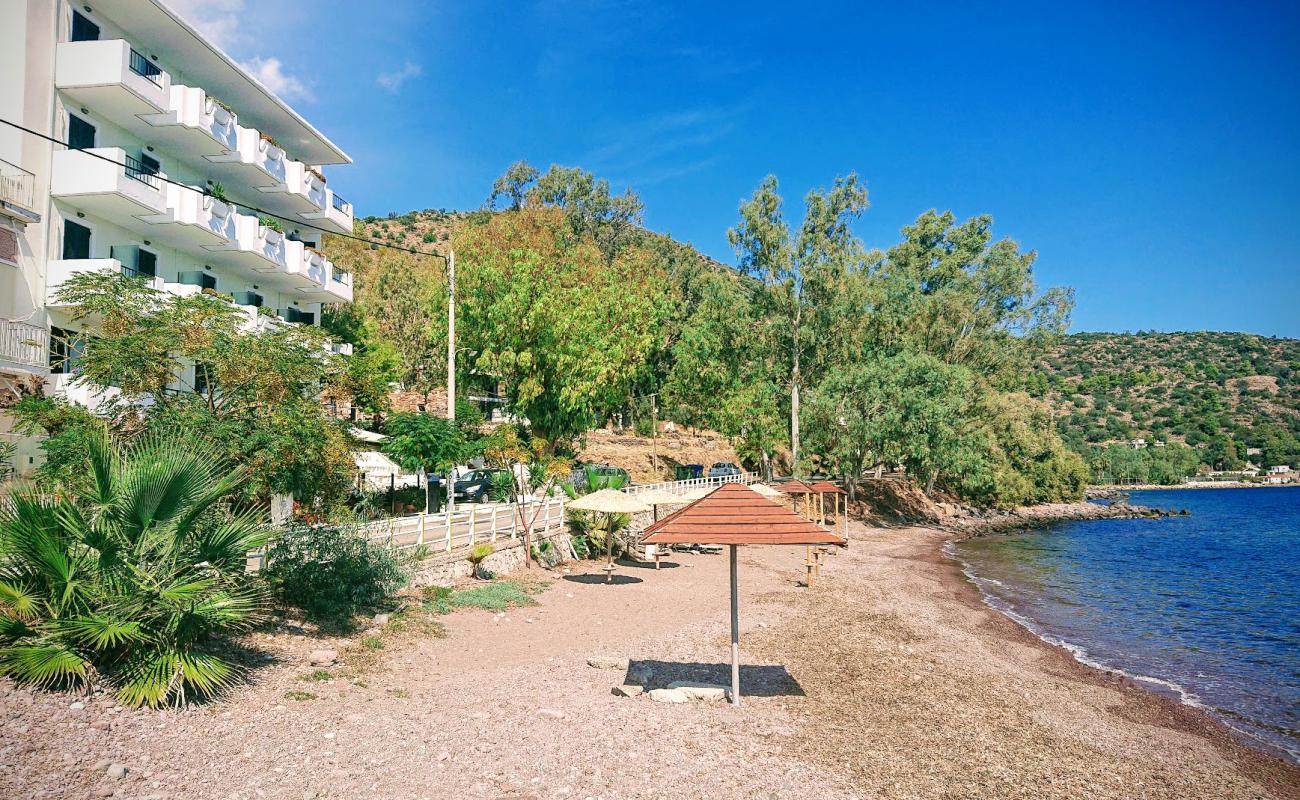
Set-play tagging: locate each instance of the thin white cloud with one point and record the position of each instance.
(216, 19)
(392, 81)
(272, 75)
(224, 23)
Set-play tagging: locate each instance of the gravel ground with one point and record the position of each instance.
(888, 679)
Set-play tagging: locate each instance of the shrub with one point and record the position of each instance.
(331, 572)
(495, 596)
(133, 571)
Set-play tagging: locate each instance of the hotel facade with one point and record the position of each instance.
(131, 81)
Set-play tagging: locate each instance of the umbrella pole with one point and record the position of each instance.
(735, 633)
(609, 549)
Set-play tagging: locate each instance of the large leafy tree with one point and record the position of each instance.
(132, 572)
(787, 266)
(252, 395)
(545, 312)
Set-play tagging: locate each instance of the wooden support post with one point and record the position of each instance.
(808, 567)
(448, 530)
(495, 509)
(420, 541)
(473, 512)
(735, 633)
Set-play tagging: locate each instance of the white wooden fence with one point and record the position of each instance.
(682, 487)
(483, 522)
(443, 533)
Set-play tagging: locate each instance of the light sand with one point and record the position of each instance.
(888, 679)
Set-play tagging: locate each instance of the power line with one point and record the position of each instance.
(206, 193)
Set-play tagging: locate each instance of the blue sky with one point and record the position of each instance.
(1149, 152)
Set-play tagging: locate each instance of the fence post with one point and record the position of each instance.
(495, 509)
(473, 512)
(449, 531)
(422, 516)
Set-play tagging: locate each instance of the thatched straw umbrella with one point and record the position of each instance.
(609, 502)
(734, 515)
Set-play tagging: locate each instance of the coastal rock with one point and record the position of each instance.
(628, 690)
(381, 620)
(117, 771)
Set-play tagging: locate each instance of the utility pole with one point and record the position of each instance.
(451, 369)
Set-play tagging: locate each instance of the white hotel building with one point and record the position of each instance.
(132, 81)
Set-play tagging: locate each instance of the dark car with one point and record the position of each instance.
(724, 469)
(476, 486)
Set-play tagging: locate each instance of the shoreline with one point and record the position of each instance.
(1258, 759)
(1113, 489)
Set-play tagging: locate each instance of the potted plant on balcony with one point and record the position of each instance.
(272, 230)
(221, 113)
(272, 148)
(320, 176)
(221, 206)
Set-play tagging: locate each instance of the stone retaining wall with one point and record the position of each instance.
(444, 568)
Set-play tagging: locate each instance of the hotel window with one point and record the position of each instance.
(83, 30)
(76, 241)
(81, 134)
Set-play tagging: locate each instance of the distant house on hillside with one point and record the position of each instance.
(1254, 451)
(1137, 444)
(1280, 474)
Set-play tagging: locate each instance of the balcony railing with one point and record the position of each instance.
(341, 204)
(135, 168)
(144, 67)
(17, 186)
(23, 343)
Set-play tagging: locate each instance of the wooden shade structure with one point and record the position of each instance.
(736, 515)
(609, 502)
(795, 487)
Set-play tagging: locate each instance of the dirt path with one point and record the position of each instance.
(888, 679)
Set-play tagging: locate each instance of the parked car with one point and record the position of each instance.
(476, 486)
(685, 472)
(724, 469)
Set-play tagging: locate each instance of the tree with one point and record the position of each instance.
(763, 244)
(513, 185)
(419, 441)
(133, 572)
(253, 396)
(546, 315)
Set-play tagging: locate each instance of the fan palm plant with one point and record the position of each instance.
(591, 527)
(130, 574)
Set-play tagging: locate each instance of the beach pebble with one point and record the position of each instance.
(550, 713)
(116, 771)
(668, 696)
(607, 662)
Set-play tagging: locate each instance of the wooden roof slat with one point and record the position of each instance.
(736, 514)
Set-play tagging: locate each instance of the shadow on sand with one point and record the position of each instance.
(600, 578)
(756, 680)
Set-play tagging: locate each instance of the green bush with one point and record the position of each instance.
(132, 572)
(331, 572)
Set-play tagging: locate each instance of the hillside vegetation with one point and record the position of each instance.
(1218, 393)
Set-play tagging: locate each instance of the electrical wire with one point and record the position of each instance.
(207, 193)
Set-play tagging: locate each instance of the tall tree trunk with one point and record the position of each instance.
(794, 396)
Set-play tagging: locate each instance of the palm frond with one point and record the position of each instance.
(100, 632)
(18, 601)
(43, 665)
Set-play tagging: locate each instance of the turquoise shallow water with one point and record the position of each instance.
(1205, 607)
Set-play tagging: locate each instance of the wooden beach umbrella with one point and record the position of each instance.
(736, 515)
(794, 488)
(609, 502)
(823, 488)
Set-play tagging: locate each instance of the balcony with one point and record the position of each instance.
(119, 82)
(120, 194)
(256, 246)
(24, 347)
(255, 161)
(194, 124)
(59, 271)
(301, 195)
(337, 215)
(191, 219)
(18, 193)
(339, 287)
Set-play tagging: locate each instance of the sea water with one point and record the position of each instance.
(1204, 607)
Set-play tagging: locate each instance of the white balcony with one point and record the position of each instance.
(339, 287)
(336, 216)
(194, 124)
(120, 83)
(116, 193)
(255, 246)
(24, 348)
(310, 273)
(57, 272)
(255, 161)
(191, 219)
(302, 194)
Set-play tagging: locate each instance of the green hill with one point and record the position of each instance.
(1220, 393)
